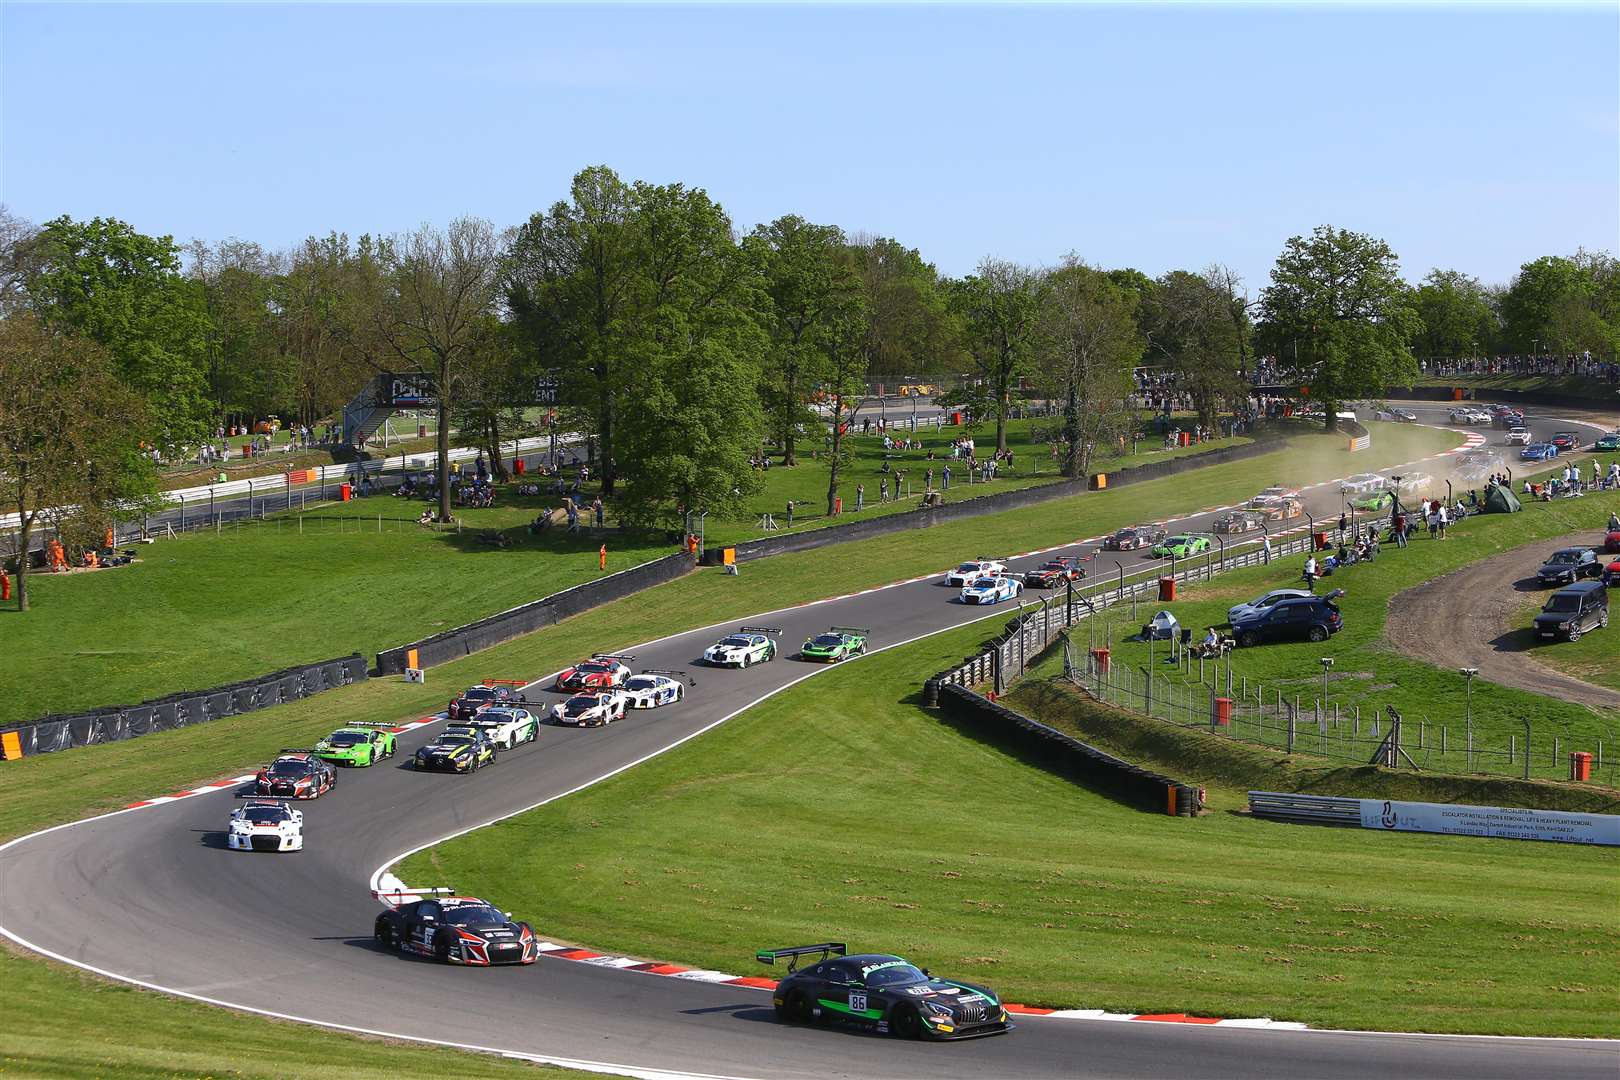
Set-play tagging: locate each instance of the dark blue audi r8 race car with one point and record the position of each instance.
(883, 993)
(455, 930)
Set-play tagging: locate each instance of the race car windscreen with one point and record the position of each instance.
(265, 815)
(451, 742)
(473, 915)
(291, 769)
(642, 682)
(479, 693)
(735, 642)
(897, 975)
(983, 583)
(826, 641)
(345, 738)
(968, 568)
(579, 706)
(593, 667)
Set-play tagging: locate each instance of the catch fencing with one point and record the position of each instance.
(1208, 696)
(1034, 629)
(117, 722)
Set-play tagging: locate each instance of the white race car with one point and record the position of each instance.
(1470, 416)
(974, 569)
(1364, 483)
(991, 590)
(749, 645)
(1518, 436)
(653, 688)
(595, 709)
(265, 825)
(507, 725)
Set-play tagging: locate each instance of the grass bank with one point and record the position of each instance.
(1046, 891)
(206, 609)
(51, 788)
(99, 1028)
(1595, 658)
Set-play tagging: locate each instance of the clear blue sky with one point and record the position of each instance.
(1155, 137)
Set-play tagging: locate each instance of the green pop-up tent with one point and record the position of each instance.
(1499, 499)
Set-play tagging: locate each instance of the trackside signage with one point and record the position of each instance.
(1499, 821)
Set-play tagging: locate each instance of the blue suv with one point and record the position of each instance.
(1307, 618)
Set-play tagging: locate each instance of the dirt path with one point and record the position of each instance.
(1458, 621)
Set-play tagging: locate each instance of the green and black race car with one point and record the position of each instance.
(461, 752)
(882, 993)
(1180, 546)
(838, 643)
(357, 745)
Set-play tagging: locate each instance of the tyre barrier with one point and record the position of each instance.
(464, 640)
(63, 731)
(1069, 757)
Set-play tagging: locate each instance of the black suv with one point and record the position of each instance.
(1308, 618)
(1571, 611)
(1569, 565)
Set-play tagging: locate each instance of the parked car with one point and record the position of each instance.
(1239, 612)
(1569, 565)
(1611, 541)
(1308, 618)
(1572, 611)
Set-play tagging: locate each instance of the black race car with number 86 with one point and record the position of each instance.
(881, 992)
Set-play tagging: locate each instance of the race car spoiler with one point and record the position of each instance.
(673, 673)
(612, 656)
(504, 682)
(397, 895)
(858, 631)
(297, 750)
(279, 800)
(759, 629)
(372, 723)
(824, 950)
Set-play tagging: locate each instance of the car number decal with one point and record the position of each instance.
(857, 1002)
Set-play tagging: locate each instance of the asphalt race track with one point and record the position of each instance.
(151, 895)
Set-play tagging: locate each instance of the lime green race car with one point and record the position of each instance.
(358, 745)
(1180, 546)
(1378, 500)
(838, 643)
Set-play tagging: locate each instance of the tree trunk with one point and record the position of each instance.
(837, 448)
(24, 532)
(789, 428)
(492, 435)
(605, 444)
(1071, 432)
(444, 441)
(1330, 419)
(1001, 414)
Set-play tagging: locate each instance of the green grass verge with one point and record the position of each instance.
(1230, 768)
(1368, 672)
(97, 1028)
(52, 788)
(899, 832)
(1595, 658)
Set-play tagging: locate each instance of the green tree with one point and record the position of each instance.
(102, 280)
(69, 433)
(1088, 344)
(1539, 289)
(328, 320)
(1192, 328)
(439, 289)
(812, 288)
(910, 330)
(999, 311)
(246, 371)
(1337, 302)
(1456, 313)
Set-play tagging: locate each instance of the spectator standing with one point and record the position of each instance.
(945, 475)
(860, 495)
(598, 510)
(1265, 543)
(1310, 573)
(1444, 514)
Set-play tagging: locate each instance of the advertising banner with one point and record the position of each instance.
(1498, 821)
(410, 389)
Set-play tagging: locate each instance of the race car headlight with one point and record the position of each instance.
(940, 1012)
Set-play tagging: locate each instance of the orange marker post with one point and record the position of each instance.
(601, 558)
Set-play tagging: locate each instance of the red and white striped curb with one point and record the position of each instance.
(754, 982)
(221, 785)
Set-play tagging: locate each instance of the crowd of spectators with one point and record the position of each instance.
(1568, 365)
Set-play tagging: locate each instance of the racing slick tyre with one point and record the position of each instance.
(744, 662)
(796, 1009)
(441, 948)
(1249, 639)
(904, 1022)
(383, 935)
(1317, 634)
(534, 733)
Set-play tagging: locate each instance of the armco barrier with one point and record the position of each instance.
(1506, 397)
(464, 640)
(61, 732)
(924, 517)
(1067, 756)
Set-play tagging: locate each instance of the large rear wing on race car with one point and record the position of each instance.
(759, 629)
(674, 673)
(622, 657)
(824, 950)
(385, 725)
(857, 631)
(397, 896)
(279, 800)
(504, 682)
(296, 750)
